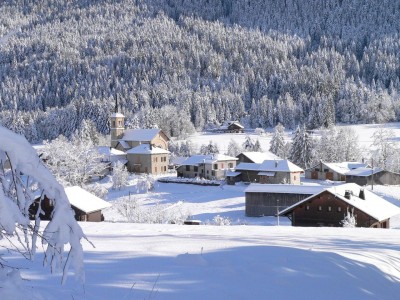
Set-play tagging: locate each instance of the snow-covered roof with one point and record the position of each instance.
(343, 167)
(373, 205)
(232, 174)
(248, 166)
(140, 135)
(85, 201)
(124, 144)
(259, 157)
(284, 188)
(195, 160)
(236, 123)
(279, 165)
(178, 160)
(117, 115)
(105, 150)
(147, 149)
(274, 165)
(363, 172)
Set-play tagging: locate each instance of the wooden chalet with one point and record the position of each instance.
(328, 208)
(230, 127)
(274, 171)
(332, 171)
(369, 176)
(87, 207)
(268, 199)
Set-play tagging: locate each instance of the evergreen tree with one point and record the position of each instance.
(301, 151)
(278, 144)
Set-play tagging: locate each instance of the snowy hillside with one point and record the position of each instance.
(136, 261)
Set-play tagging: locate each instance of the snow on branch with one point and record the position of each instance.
(17, 159)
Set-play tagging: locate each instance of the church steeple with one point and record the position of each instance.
(117, 126)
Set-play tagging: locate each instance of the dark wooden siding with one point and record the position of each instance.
(316, 212)
(381, 178)
(265, 204)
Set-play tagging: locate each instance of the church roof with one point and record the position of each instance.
(141, 135)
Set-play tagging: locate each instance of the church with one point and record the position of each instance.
(146, 149)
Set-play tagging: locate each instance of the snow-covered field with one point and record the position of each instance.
(252, 259)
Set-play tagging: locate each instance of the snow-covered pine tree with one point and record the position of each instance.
(301, 151)
(278, 144)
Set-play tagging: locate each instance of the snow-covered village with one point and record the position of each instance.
(199, 149)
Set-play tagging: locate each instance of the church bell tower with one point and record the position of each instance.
(117, 126)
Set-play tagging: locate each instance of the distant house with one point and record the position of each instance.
(146, 149)
(274, 171)
(267, 199)
(149, 159)
(111, 156)
(369, 176)
(328, 208)
(230, 127)
(213, 166)
(87, 207)
(332, 171)
(256, 157)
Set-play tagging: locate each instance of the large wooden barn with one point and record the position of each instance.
(87, 207)
(328, 208)
(267, 199)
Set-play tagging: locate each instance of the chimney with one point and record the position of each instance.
(151, 146)
(362, 194)
(347, 194)
(276, 163)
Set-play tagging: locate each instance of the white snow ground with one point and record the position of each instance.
(259, 260)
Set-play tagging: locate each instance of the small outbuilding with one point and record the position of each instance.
(369, 176)
(87, 207)
(329, 207)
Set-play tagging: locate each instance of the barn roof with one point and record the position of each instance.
(85, 201)
(147, 149)
(363, 172)
(279, 165)
(248, 166)
(259, 157)
(373, 205)
(284, 188)
(141, 135)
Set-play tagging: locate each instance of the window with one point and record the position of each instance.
(294, 177)
(196, 168)
(307, 207)
(155, 169)
(113, 123)
(329, 208)
(119, 123)
(230, 165)
(215, 166)
(188, 168)
(156, 159)
(339, 209)
(222, 166)
(316, 169)
(319, 208)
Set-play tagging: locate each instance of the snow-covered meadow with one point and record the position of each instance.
(253, 258)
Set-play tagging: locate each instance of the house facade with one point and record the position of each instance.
(146, 149)
(275, 171)
(328, 208)
(332, 171)
(268, 199)
(230, 127)
(148, 159)
(213, 166)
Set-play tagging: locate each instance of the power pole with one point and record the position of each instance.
(372, 174)
(277, 209)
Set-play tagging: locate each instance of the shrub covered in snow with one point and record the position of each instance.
(20, 171)
(349, 220)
